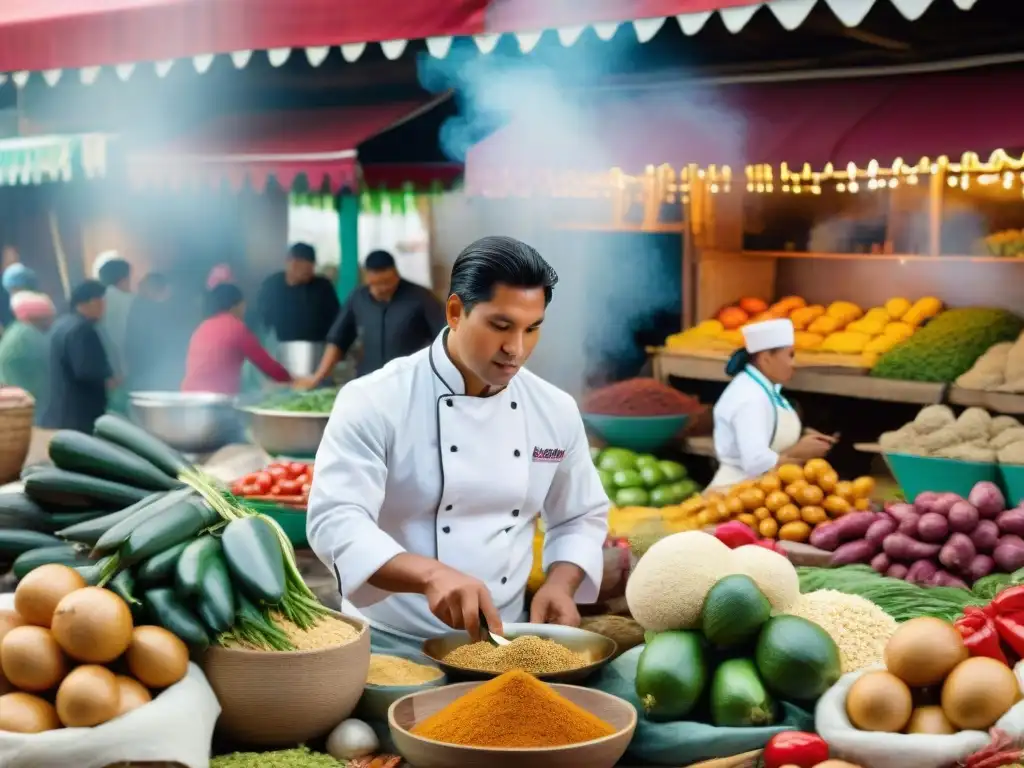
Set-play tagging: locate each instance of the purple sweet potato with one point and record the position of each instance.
(924, 503)
(946, 579)
(932, 527)
(899, 546)
(1009, 553)
(963, 517)
(879, 529)
(897, 571)
(1011, 521)
(852, 552)
(988, 499)
(944, 502)
(908, 524)
(853, 527)
(958, 552)
(921, 571)
(985, 536)
(900, 510)
(981, 566)
(825, 537)
(881, 563)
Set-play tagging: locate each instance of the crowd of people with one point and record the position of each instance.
(113, 340)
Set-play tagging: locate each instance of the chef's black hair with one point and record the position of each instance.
(114, 271)
(223, 297)
(739, 360)
(87, 291)
(379, 261)
(499, 260)
(302, 252)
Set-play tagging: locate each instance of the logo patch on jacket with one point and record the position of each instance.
(548, 454)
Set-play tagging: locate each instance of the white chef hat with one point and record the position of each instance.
(770, 334)
(102, 259)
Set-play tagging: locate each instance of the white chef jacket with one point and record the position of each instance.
(410, 463)
(745, 419)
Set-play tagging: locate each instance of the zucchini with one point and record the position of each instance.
(15, 541)
(165, 609)
(90, 531)
(65, 554)
(159, 569)
(19, 511)
(671, 674)
(78, 452)
(123, 585)
(97, 571)
(181, 522)
(118, 533)
(61, 520)
(254, 558)
(122, 432)
(31, 469)
(216, 595)
(74, 490)
(739, 698)
(188, 572)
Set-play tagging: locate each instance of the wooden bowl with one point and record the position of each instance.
(273, 698)
(407, 712)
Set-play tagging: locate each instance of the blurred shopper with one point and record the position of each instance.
(25, 347)
(156, 338)
(297, 304)
(396, 318)
(116, 274)
(219, 274)
(80, 373)
(221, 345)
(14, 277)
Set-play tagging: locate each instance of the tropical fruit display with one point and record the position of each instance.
(641, 479)
(1009, 242)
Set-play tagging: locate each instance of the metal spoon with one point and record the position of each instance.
(489, 636)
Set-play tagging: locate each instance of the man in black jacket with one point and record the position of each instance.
(296, 303)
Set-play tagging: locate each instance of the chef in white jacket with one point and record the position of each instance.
(432, 470)
(756, 427)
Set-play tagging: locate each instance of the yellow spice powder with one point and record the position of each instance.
(394, 670)
(528, 653)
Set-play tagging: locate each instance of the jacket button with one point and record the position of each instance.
(516, 453)
(504, 579)
(514, 405)
(515, 513)
(454, 448)
(449, 403)
(448, 508)
(508, 529)
(446, 529)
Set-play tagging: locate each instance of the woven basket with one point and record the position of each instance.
(270, 698)
(16, 412)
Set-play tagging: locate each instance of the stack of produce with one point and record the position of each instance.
(641, 480)
(939, 540)
(786, 504)
(283, 482)
(949, 345)
(1009, 242)
(1000, 369)
(640, 397)
(67, 643)
(975, 436)
(316, 402)
(931, 685)
(719, 640)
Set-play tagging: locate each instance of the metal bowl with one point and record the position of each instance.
(191, 422)
(284, 433)
(598, 648)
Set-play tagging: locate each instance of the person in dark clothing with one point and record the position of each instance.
(80, 372)
(156, 338)
(297, 304)
(394, 316)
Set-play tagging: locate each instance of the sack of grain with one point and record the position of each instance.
(898, 750)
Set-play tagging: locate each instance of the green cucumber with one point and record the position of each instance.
(122, 432)
(118, 533)
(31, 469)
(738, 696)
(734, 611)
(217, 596)
(90, 531)
(78, 491)
(188, 572)
(164, 608)
(97, 571)
(79, 452)
(671, 674)
(796, 658)
(123, 585)
(19, 511)
(159, 569)
(181, 522)
(61, 520)
(14, 541)
(255, 559)
(64, 554)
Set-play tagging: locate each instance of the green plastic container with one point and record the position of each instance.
(1013, 483)
(292, 521)
(643, 434)
(917, 474)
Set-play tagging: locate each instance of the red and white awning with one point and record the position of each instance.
(51, 36)
(251, 149)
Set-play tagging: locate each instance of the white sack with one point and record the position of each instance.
(898, 750)
(176, 727)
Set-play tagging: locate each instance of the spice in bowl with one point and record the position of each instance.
(530, 653)
(514, 710)
(328, 632)
(394, 670)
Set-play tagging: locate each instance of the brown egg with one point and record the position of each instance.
(924, 651)
(31, 659)
(88, 696)
(24, 713)
(879, 701)
(132, 694)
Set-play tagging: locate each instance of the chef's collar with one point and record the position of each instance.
(444, 367)
(774, 390)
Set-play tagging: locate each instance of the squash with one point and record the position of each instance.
(735, 338)
(898, 330)
(806, 341)
(804, 316)
(824, 325)
(881, 344)
(923, 309)
(753, 305)
(844, 312)
(846, 343)
(897, 307)
(789, 303)
(732, 318)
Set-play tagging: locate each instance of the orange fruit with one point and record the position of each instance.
(863, 487)
(827, 481)
(769, 483)
(788, 514)
(790, 473)
(776, 500)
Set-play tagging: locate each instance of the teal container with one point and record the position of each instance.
(917, 474)
(1013, 483)
(292, 521)
(377, 699)
(643, 434)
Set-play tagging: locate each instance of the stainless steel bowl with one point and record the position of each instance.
(598, 648)
(284, 433)
(191, 422)
(300, 358)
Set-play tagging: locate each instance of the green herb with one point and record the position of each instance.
(317, 401)
(302, 757)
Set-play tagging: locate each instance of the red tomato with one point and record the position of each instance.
(250, 490)
(237, 487)
(305, 489)
(302, 479)
(277, 471)
(297, 468)
(251, 478)
(289, 487)
(275, 490)
(264, 481)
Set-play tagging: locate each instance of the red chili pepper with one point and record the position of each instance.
(1010, 628)
(1008, 601)
(795, 748)
(980, 635)
(735, 534)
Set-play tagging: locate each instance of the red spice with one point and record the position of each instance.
(640, 397)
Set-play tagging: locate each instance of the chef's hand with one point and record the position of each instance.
(458, 600)
(554, 602)
(810, 447)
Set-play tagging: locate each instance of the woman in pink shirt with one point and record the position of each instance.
(221, 344)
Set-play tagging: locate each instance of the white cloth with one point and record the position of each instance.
(744, 417)
(770, 334)
(409, 463)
